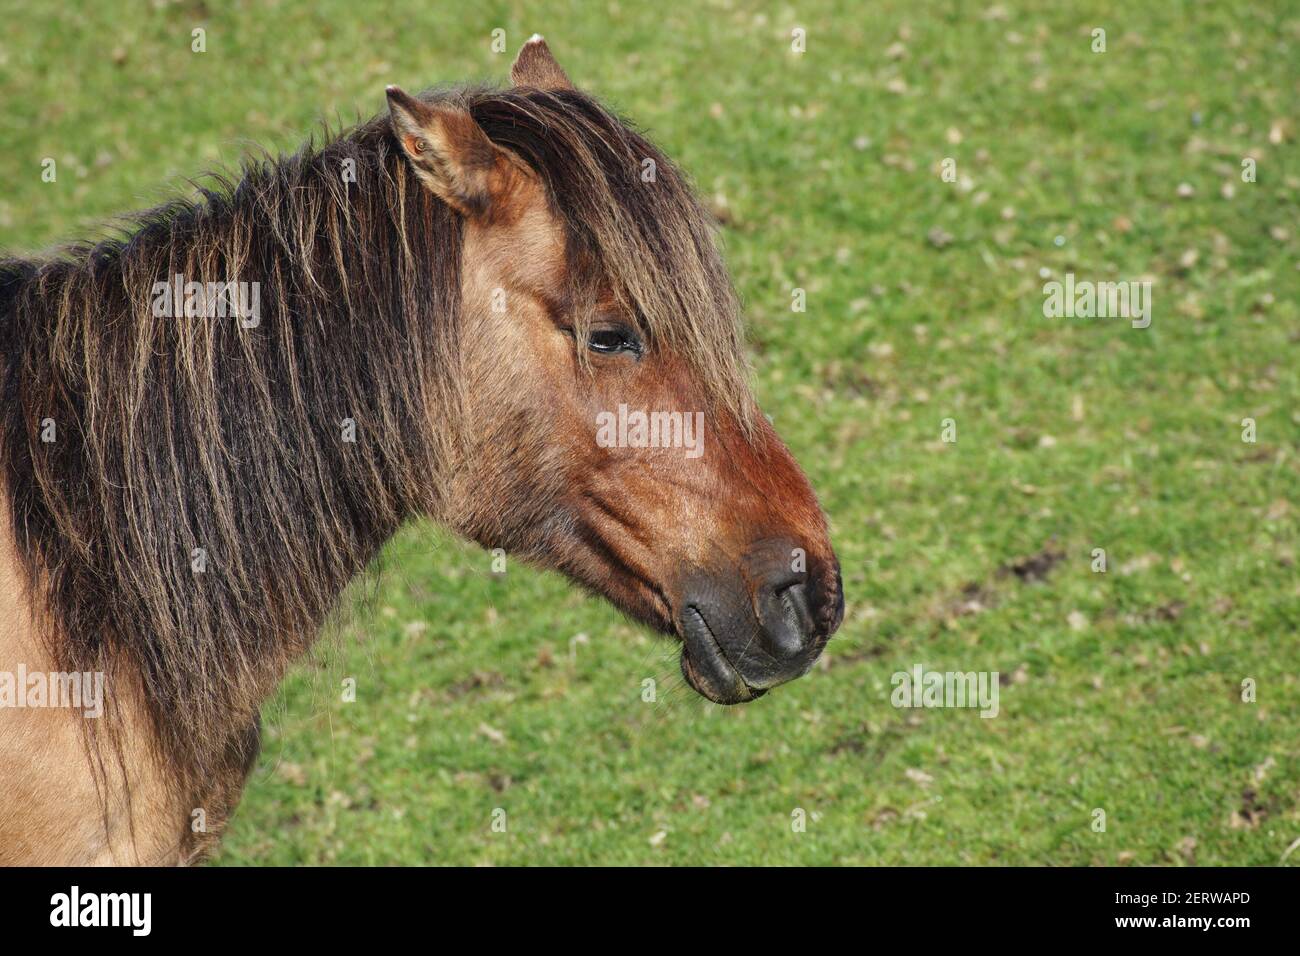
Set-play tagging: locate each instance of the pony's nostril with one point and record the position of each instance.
(785, 632)
(795, 601)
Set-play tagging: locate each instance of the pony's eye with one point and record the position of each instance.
(613, 341)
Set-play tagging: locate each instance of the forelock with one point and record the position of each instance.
(632, 220)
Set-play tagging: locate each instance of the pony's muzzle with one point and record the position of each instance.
(749, 631)
(796, 608)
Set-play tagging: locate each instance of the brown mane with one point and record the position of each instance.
(177, 434)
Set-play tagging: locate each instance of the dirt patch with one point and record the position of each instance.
(476, 681)
(971, 599)
(1036, 567)
(1252, 812)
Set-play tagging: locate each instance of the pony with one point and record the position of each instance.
(476, 308)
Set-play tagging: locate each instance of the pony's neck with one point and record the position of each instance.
(210, 485)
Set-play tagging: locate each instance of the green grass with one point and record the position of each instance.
(1073, 434)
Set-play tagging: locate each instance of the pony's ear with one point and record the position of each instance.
(448, 150)
(536, 67)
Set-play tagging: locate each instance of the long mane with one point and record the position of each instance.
(196, 509)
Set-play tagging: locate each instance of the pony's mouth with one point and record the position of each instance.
(706, 667)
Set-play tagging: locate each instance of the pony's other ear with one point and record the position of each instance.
(536, 67)
(448, 150)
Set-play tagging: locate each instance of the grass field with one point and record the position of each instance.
(1120, 691)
